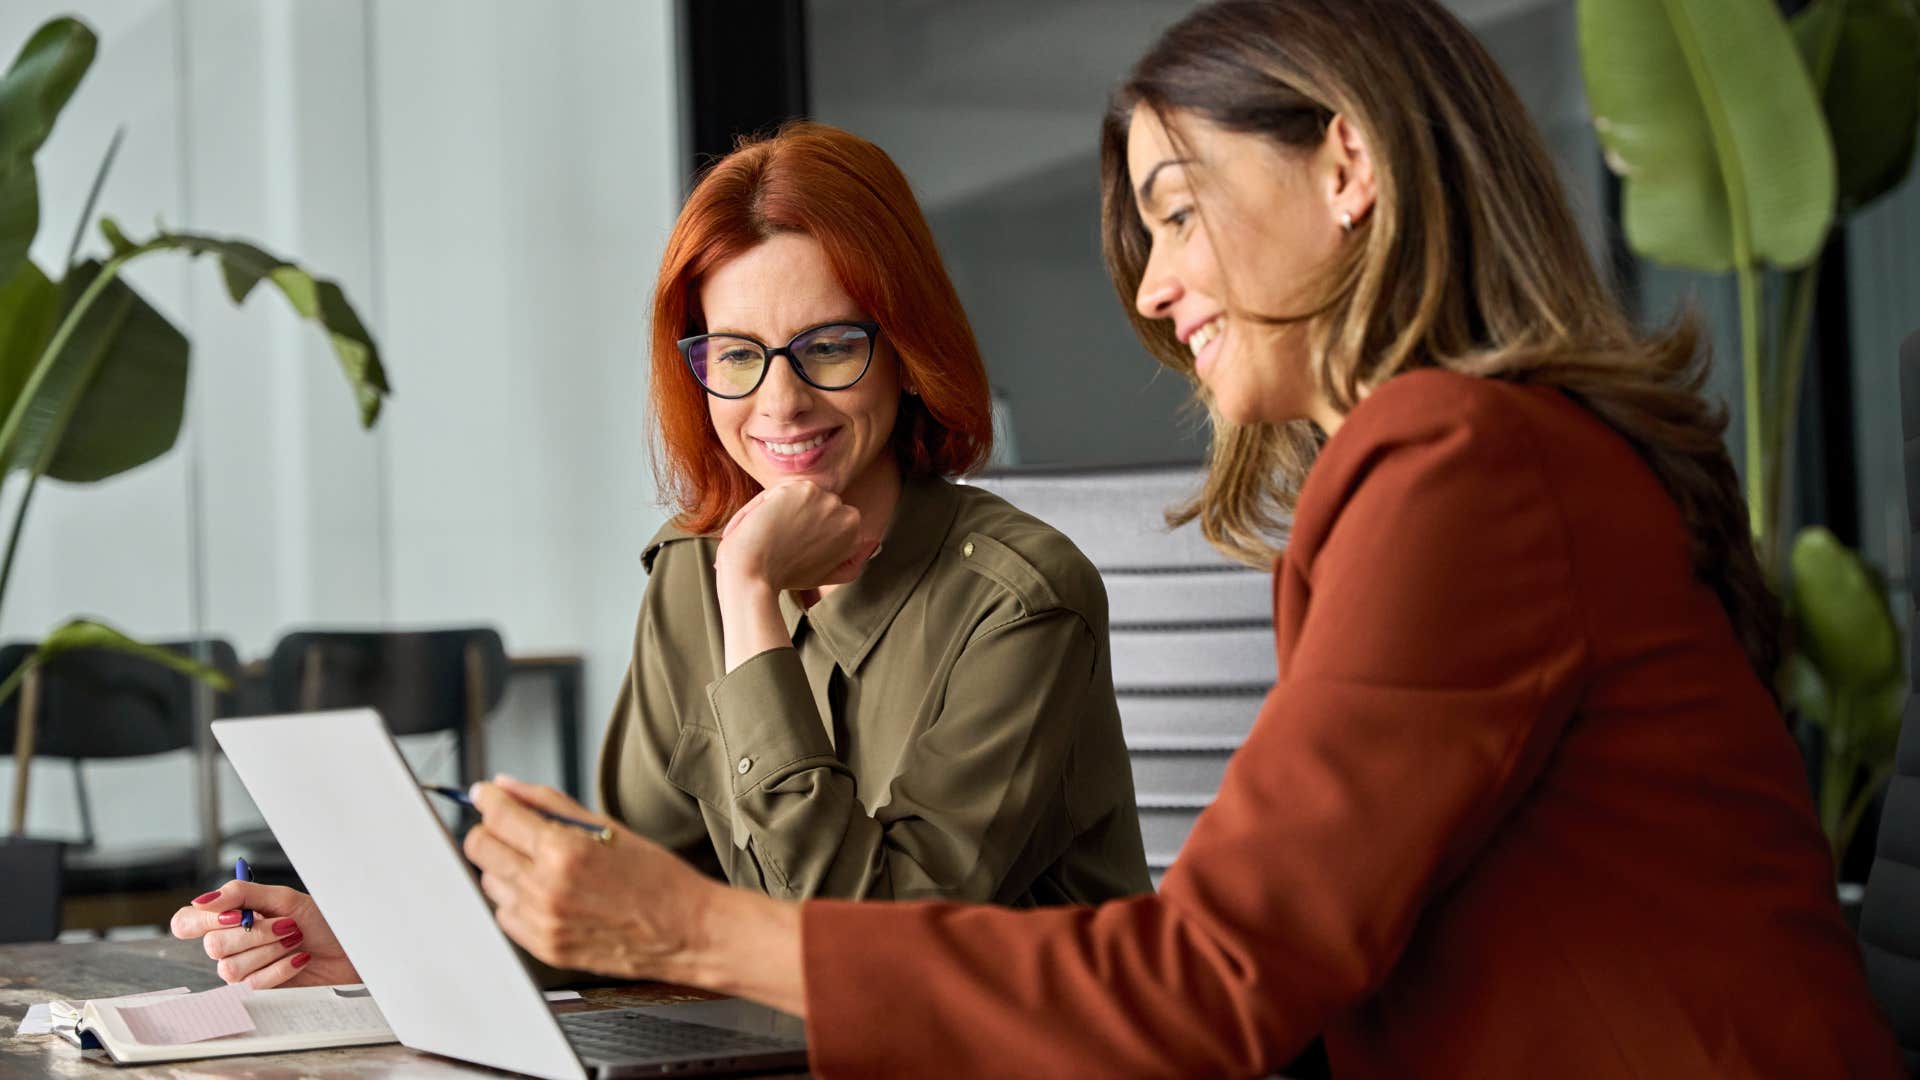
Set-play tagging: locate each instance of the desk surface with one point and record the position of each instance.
(30, 974)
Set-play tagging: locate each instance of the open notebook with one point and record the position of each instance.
(230, 1020)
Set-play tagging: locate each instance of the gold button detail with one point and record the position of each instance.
(966, 549)
(745, 766)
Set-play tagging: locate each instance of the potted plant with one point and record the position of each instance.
(93, 377)
(1742, 139)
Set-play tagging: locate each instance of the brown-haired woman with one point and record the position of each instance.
(872, 683)
(1521, 803)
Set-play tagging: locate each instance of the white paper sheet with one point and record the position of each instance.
(38, 1021)
(191, 1018)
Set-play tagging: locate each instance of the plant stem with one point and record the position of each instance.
(1851, 822)
(1836, 776)
(1789, 367)
(13, 537)
(1759, 514)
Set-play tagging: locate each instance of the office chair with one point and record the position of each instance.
(96, 704)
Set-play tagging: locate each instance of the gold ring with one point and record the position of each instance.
(605, 835)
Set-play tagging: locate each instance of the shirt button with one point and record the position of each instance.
(966, 549)
(745, 766)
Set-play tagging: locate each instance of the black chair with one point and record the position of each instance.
(96, 704)
(1890, 917)
(421, 682)
(30, 899)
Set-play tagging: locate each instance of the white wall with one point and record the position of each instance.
(491, 182)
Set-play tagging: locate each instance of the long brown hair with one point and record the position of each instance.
(1469, 260)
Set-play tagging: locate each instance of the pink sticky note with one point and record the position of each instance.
(188, 1018)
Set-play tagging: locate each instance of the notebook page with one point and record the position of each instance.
(190, 1018)
(315, 1014)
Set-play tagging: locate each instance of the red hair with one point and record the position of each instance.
(850, 197)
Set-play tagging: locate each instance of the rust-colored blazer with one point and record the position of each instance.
(1517, 807)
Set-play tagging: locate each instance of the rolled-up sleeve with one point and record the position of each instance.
(965, 804)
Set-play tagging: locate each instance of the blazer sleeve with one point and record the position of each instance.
(968, 799)
(1436, 660)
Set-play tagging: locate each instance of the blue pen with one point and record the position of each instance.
(243, 872)
(601, 833)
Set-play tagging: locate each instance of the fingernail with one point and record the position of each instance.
(230, 918)
(284, 926)
(301, 960)
(292, 939)
(207, 899)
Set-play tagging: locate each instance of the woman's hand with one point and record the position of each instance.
(289, 945)
(626, 908)
(794, 537)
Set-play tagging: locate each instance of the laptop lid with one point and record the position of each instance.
(398, 894)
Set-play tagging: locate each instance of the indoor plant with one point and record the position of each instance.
(92, 377)
(1742, 139)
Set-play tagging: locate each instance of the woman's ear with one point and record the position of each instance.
(1347, 172)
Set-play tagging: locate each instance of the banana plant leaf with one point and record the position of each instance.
(1840, 611)
(1864, 56)
(131, 410)
(1709, 118)
(29, 306)
(32, 93)
(92, 634)
(109, 395)
(243, 266)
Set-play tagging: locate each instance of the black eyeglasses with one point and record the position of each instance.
(832, 356)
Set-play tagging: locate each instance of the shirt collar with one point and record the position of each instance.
(851, 618)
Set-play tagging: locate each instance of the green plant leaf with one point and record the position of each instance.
(1864, 56)
(29, 306)
(244, 266)
(1841, 616)
(129, 413)
(34, 90)
(1709, 118)
(92, 634)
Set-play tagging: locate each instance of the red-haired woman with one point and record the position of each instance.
(851, 678)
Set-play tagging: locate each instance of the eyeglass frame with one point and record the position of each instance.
(872, 329)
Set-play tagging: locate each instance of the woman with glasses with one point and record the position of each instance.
(851, 677)
(1521, 803)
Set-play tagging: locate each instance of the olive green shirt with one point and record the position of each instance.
(944, 726)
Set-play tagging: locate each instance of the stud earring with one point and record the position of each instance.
(1346, 221)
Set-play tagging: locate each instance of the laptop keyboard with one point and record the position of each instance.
(616, 1035)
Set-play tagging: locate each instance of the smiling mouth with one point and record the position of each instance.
(796, 449)
(1204, 336)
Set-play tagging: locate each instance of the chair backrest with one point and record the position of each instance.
(421, 681)
(1890, 917)
(32, 871)
(97, 703)
(1192, 632)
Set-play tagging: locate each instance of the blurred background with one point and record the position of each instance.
(491, 182)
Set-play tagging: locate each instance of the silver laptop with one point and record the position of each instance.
(375, 856)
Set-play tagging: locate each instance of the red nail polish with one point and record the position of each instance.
(283, 926)
(230, 918)
(301, 960)
(207, 899)
(291, 940)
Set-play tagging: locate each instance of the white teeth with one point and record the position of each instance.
(791, 448)
(1204, 335)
